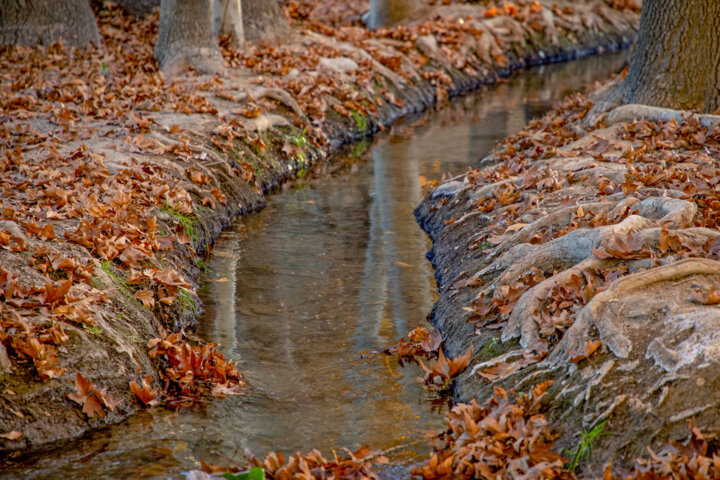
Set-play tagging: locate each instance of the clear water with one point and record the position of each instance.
(306, 292)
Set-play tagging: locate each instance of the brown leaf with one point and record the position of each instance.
(591, 346)
(500, 371)
(13, 435)
(458, 364)
(218, 194)
(91, 397)
(147, 297)
(707, 297)
(53, 293)
(144, 392)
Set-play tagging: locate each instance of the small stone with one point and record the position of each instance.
(339, 64)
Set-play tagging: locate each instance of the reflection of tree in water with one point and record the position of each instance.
(507, 107)
(222, 288)
(397, 279)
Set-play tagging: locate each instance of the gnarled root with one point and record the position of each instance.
(576, 246)
(631, 112)
(522, 322)
(599, 312)
(572, 248)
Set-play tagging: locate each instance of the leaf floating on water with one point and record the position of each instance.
(421, 343)
(440, 373)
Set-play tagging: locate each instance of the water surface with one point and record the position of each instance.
(306, 292)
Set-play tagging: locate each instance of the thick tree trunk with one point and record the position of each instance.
(227, 20)
(386, 13)
(263, 20)
(677, 60)
(186, 37)
(42, 22)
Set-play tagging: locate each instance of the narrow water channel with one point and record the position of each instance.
(306, 292)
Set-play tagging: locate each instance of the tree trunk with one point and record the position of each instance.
(677, 60)
(386, 13)
(186, 38)
(227, 20)
(263, 20)
(42, 22)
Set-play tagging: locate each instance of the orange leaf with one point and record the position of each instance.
(147, 297)
(144, 392)
(53, 293)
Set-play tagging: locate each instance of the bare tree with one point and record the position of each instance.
(263, 20)
(42, 22)
(186, 37)
(677, 60)
(227, 20)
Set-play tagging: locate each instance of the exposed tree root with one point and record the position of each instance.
(571, 249)
(600, 314)
(629, 113)
(522, 322)
(600, 247)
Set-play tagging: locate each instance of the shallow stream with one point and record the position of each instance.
(306, 292)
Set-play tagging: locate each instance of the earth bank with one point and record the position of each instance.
(583, 250)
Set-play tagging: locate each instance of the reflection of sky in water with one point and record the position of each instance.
(303, 292)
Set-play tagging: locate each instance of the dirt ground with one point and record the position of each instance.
(116, 181)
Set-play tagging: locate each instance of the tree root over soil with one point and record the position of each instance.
(589, 236)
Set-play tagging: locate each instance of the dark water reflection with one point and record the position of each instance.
(306, 291)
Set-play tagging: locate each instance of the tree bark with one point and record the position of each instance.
(386, 13)
(186, 38)
(263, 20)
(227, 20)
(42, 22)
(677, 60)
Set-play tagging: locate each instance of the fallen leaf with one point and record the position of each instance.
(13, 435)
(147, 297)
(144, 392)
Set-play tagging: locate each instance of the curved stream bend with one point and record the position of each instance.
(303, 292)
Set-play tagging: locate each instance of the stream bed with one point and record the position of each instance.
(307, 292)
